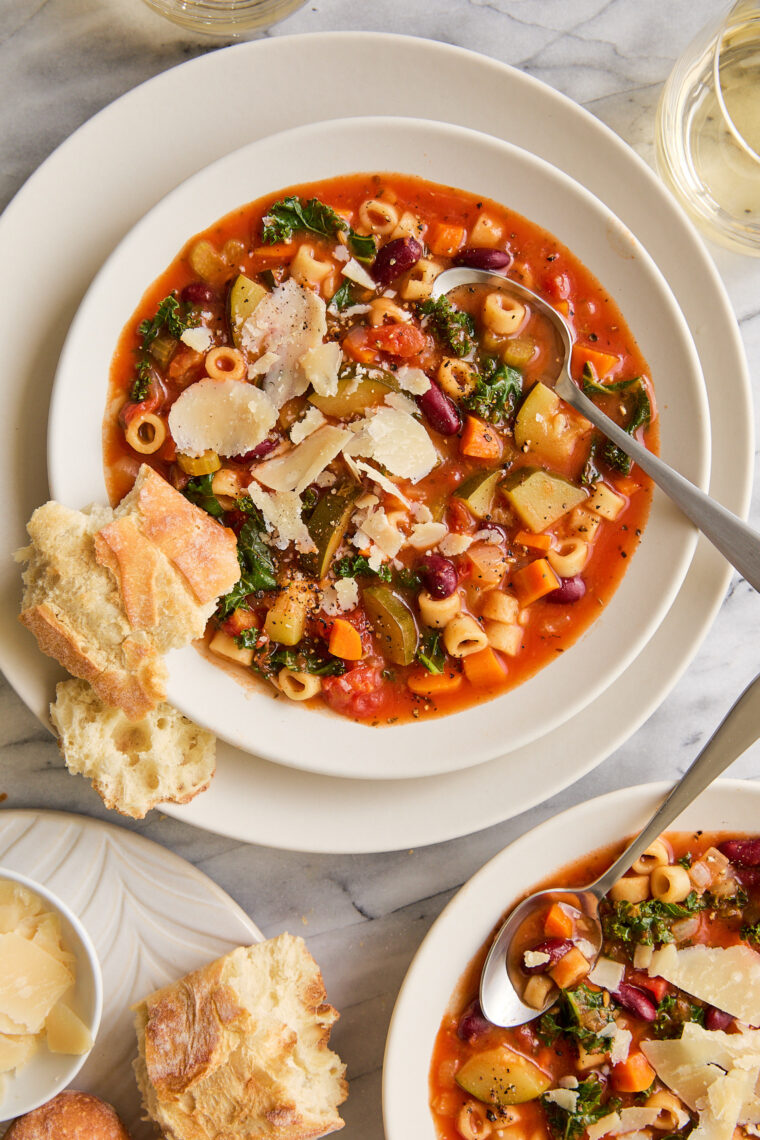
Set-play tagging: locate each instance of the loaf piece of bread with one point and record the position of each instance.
(239, 1049)
(69, 1116)
(133, 765)
(108, 592)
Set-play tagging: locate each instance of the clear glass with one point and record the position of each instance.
(708, 128)
(229, 18)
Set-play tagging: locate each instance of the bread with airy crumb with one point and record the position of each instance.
(133, 765)
(69, 1116)
(239, 1049)
(108, 592)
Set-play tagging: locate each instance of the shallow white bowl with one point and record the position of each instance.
(47, 1073)
(469, 920)
(291, 734)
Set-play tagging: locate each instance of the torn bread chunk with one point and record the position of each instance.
(133, 765)
(239, 1049)
(108, 592)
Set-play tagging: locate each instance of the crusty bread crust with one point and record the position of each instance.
(69, 1116)
(239, 1049)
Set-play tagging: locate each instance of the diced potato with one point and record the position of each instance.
(538, 991)
(502, 1076)
(605, 502)
(225, 646)
(544, 427)
(540, 497)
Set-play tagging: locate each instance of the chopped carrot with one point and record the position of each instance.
(626, 485)
(603, 362)
(563, 307)
(570, 968)
(557, 923)
(345, 641)
(484, 668)
(534, 541)
(445, 239)
(357, 347)
(274, 254)
(534, 581)
(426, 684)
(633, 1075)
(656, 985)
(479, 440)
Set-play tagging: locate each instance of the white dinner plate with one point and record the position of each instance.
(252, 799)
(152, 918)
(469, 920)
(288, 732)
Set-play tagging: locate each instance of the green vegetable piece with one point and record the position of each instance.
(242, 299)
(354, 395)
(357, 566)
(478, 491)
(431, 652)
(393, 623)
(541, 497)
(502, 1076)
(589, 1108)
(453, 326)
(327, 526)
(200, 492)
(295, 215)
(163, 348)
(497, 393)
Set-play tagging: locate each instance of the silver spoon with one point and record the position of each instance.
(737, 542)
(740, 728)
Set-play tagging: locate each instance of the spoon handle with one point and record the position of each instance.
(737, 731)
(736, 541)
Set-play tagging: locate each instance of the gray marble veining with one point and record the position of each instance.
(364, 916)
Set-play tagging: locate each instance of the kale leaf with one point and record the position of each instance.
(199, 491)
(141, 382)
(750, 932)
(309, 656)
(454, 327)
(672, 1013)
(591, 473)
(431, 653)
(497, 393)
(357, 566)
(407, 579)
(342, 298)
(294, 215)
(647, 922)
(580, 1014)
(589, 1108)
(257, 568)
(169, 316)
(640, 415)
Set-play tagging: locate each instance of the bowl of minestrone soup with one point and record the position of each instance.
(637, 1040)
(430, 543)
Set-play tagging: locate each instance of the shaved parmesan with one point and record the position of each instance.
(607, 974)
(412, 380)
(287, 323)
(382, 481)
(340, 253)
(300, 466)
(425, 535)
(421, 512)
(397, 441)
(607, 1124)
(225, 416)
(262, 365)
(727, 978)
(621, 1045)
(454, 544)
(563, 1098)
(533, 958)
(386, 536)
(16, 1051)
(320, 366)
(642, 956)
(340, 597)
(281, 511)
(199, 339)
(310, 422)
(356, 272)
(401, 403)
(31, 982)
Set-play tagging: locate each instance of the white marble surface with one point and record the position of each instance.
(60, 61)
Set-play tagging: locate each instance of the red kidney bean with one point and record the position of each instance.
(744, 852)
(439, 575)
(631, 997)
(472, 1023)
(395, 258)
(259, 451)
(556, 948)
(198, 293)
(717, 1019)
(571, 590)
(748, 876)
(476, 257)
(440, 412)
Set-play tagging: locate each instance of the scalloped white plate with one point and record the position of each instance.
(469, 920)
(151, 916)
(287, 732)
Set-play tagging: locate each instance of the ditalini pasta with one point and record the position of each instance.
(421, 522)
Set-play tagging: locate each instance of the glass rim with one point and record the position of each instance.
(737, 9)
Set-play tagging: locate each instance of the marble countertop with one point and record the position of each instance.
(364, 916)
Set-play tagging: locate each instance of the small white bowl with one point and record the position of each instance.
(47, 1073)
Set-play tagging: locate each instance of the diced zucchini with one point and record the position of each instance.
(393, 623)
(327, 526)
(286, 617)
(355, 393)
(242, 299)
(502, 1076)
(162, 349)
(478, 491)
(541, 497)
(544, 428)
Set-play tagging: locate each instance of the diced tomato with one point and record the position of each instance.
(557, 285)
(239, 620)
(151, 403)
(358, 693)
(657, 986)
(363, 343)
(186, 365)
